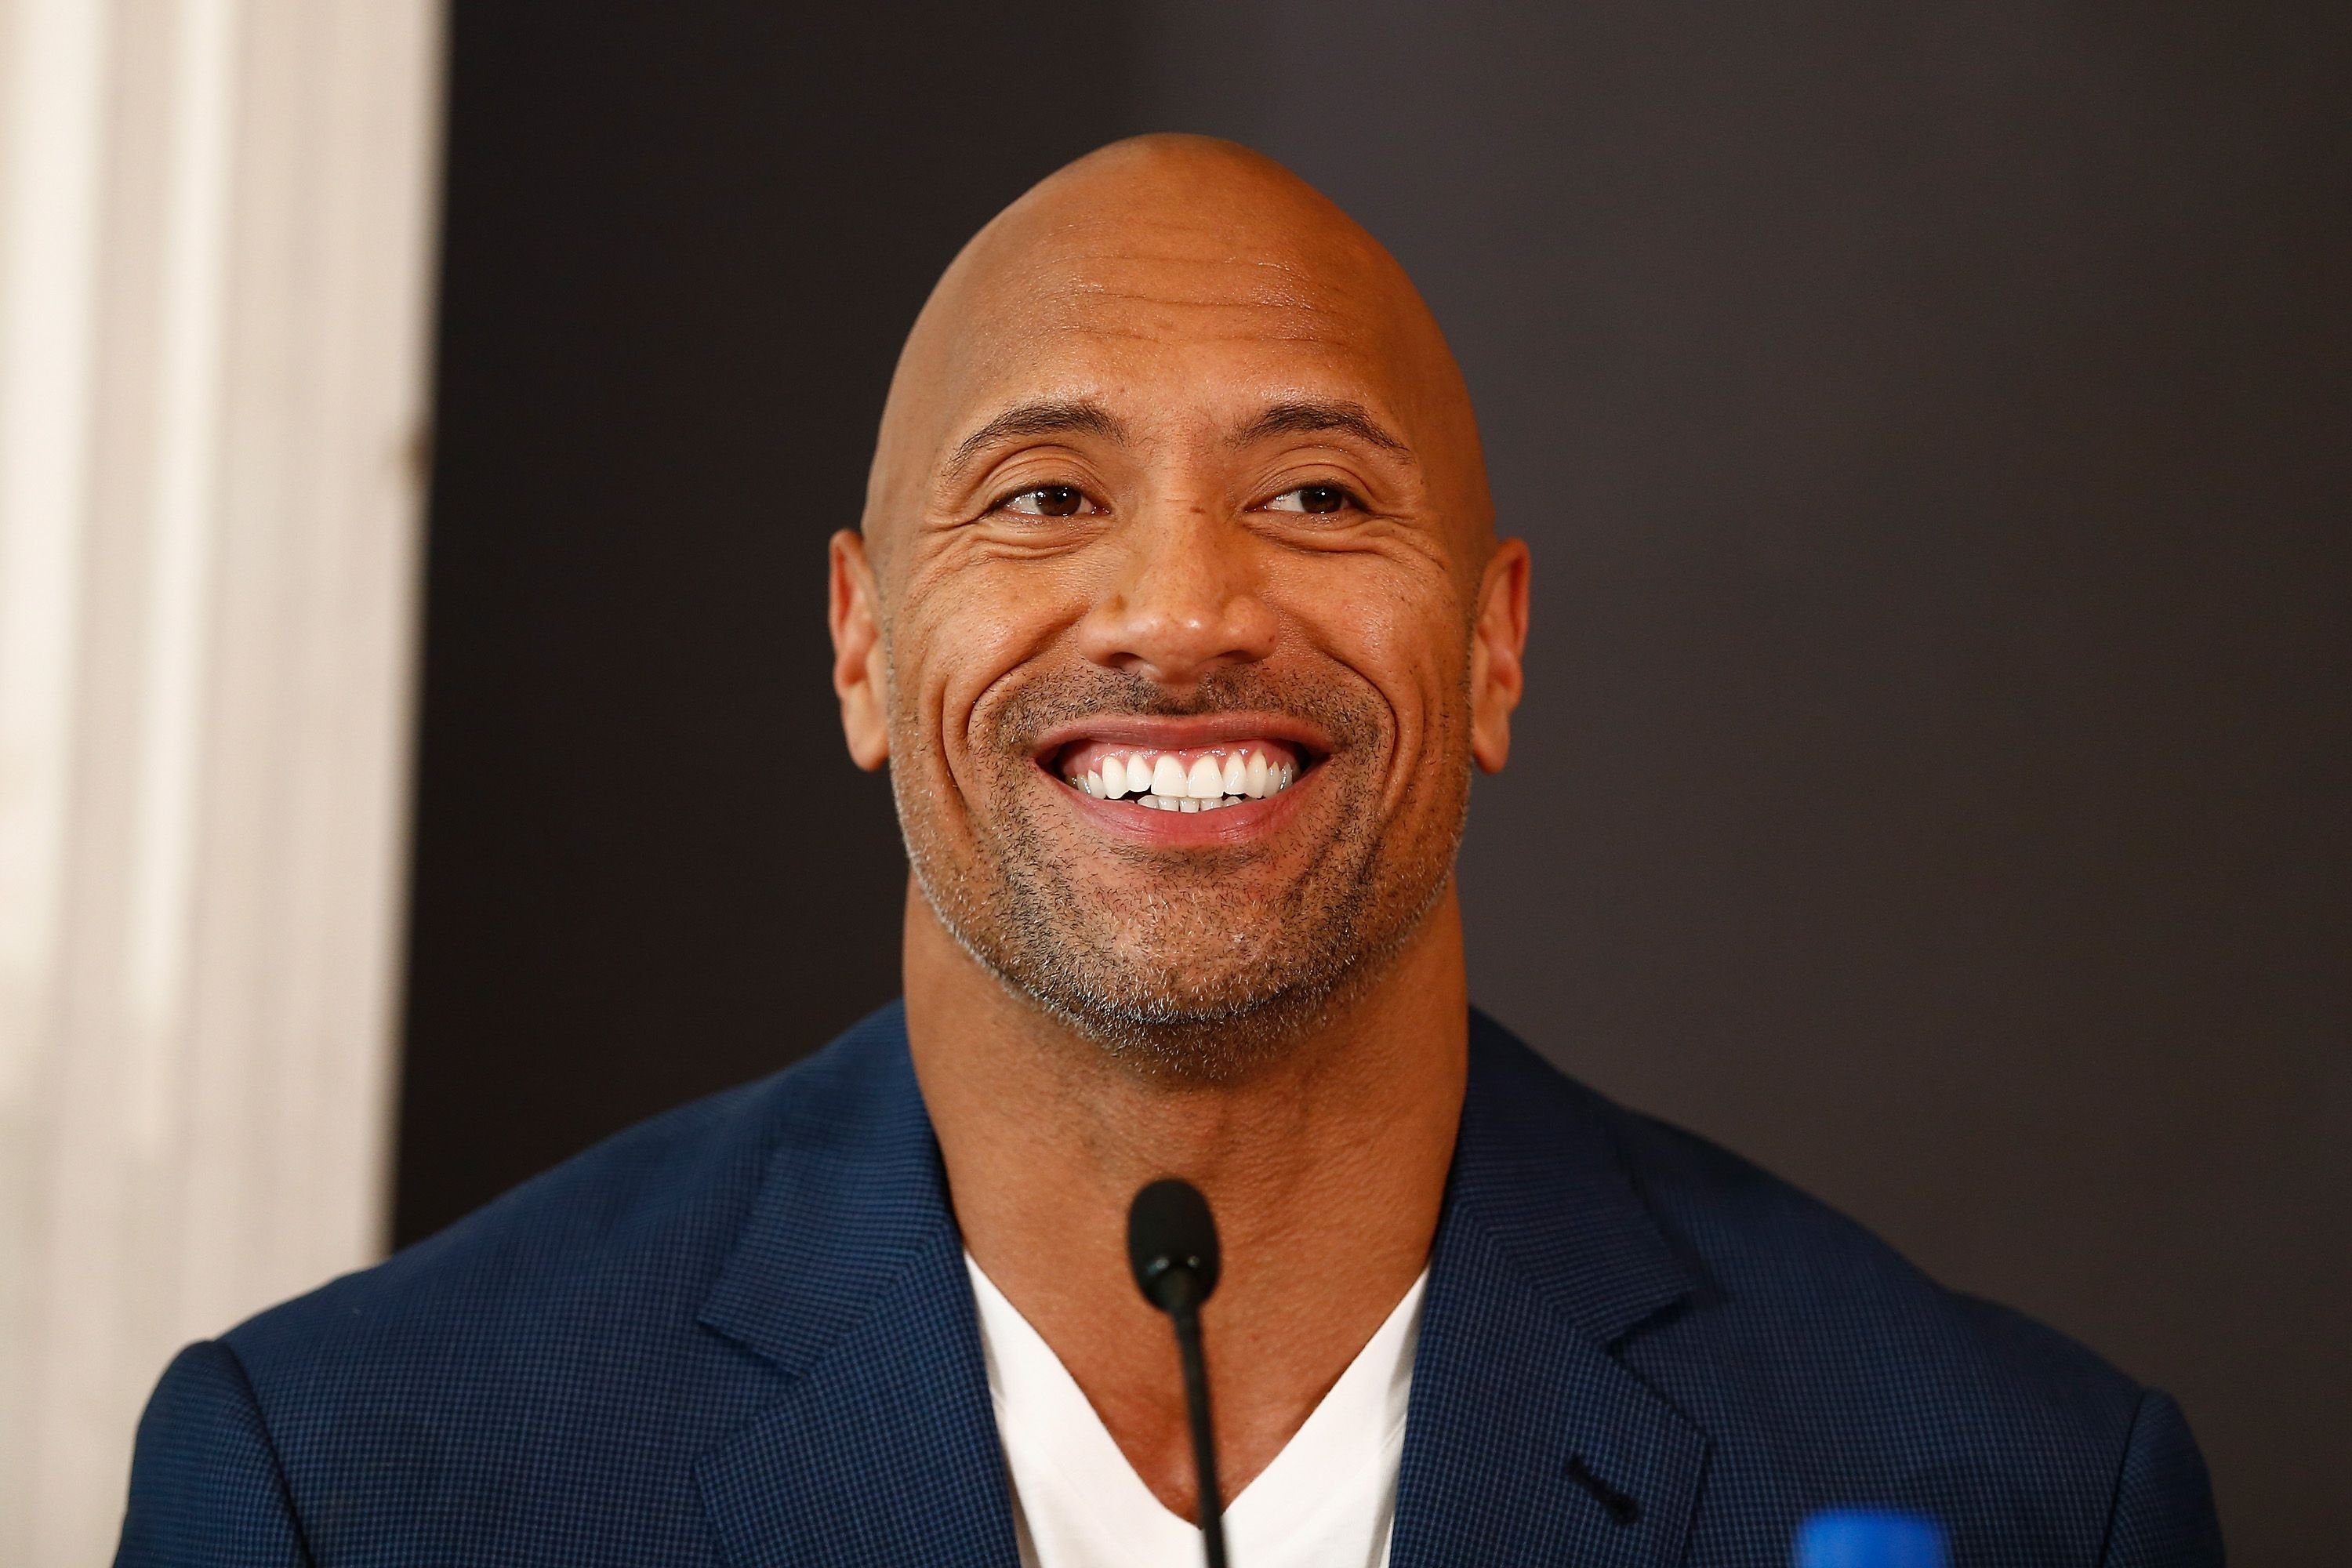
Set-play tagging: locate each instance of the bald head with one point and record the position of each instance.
(1173, 258)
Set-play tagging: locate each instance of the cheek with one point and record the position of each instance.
(962, 627)
(1398, 629)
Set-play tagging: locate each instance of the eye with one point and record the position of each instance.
(1046, 500)
(1315, 501)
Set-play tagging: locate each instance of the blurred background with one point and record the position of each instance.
(1933, 425)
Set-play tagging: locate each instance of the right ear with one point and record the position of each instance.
(859, 677)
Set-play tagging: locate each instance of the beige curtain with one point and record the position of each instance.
(214, 250)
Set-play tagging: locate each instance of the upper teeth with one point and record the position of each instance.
(1158, 781)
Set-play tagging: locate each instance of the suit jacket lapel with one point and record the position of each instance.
(849, 1283)
(1528, 1441)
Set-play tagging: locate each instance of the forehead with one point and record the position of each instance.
(1176, 319)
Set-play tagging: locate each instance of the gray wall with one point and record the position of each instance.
(1931, 428)
(1930, 424)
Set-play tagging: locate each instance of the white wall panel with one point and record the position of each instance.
(214, 254)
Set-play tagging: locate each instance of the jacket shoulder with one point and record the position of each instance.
(1813, 1275)
(1831, 1369)
(1767, 1259)
(621, 1239)
(1826, 1368)
(537, 1372)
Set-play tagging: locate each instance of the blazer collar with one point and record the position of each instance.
(849, 1280)
(1528, 1440)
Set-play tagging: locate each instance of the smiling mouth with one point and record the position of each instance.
(1186, 779)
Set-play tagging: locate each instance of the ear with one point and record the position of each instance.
(1498, 639)
(859, 677)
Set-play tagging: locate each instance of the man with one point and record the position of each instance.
(1178, 616)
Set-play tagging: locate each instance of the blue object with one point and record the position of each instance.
(743, 1334)
(1870, 1537)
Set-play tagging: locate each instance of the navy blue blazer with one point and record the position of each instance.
(742, 1333)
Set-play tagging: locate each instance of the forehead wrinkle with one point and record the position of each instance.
(1149, 235)
(1178, 335)
(1312, 297)
(1241, 269)
(1140, 315)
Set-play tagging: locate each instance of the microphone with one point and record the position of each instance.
(1171, 1245)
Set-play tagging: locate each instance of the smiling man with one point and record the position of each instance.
(1178, 619)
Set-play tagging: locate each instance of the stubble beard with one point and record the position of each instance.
(1188, 982)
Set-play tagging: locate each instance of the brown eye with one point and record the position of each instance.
(1315, 501)
(1047, 501)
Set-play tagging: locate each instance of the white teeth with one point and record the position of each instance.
(1162, 783)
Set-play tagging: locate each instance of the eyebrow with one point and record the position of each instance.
(1036, 419)
(1308, 418)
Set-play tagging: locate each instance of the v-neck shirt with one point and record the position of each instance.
(1327, 1500)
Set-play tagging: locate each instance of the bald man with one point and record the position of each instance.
(1178, 616)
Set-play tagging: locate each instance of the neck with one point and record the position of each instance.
(1325, 1167)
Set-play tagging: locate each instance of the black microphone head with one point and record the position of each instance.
(1171, 1244)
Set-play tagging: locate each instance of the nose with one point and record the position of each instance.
(1182, 602)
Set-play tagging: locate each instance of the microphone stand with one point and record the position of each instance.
(1171, 1245)
(1204, 1446)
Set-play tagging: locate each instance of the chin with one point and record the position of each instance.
(1195, 1041)
(1180, 1022)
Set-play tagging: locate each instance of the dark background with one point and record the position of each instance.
(1932, 432)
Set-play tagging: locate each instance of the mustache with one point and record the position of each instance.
(1049, 699)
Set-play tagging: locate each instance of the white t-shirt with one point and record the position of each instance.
(1327, 1500)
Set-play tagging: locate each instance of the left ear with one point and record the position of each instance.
(1498, 641)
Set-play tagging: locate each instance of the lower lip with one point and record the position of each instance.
(1148, 825)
